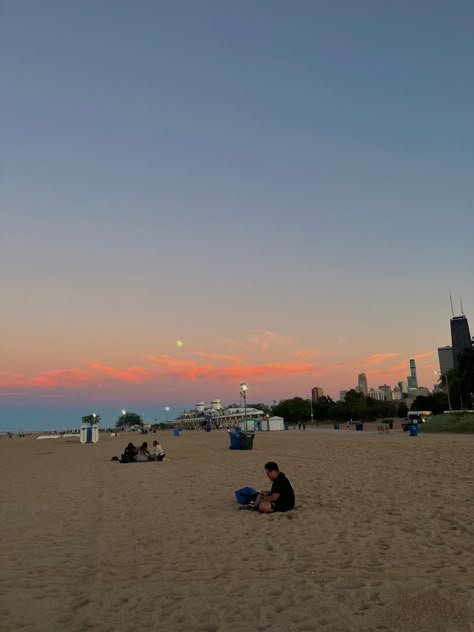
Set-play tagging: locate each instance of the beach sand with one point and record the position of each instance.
(382, 537)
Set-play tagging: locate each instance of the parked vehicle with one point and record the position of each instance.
(416, 417)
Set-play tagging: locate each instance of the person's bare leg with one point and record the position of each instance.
(265, 507)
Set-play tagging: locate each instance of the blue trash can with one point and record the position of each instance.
(176, 432)
(234, 440)
(413, 430)
(359, 427)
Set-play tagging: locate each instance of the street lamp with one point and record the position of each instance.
(447, 387)
(167, 408)
(124, 417)
(243, 392)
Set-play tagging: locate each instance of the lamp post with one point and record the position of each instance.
(311, 401)
(447, 387)
(124, 417)
(167, 408)
(243, 392)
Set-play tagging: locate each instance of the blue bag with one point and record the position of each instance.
(245, 495)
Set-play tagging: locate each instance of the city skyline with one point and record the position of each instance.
(273, 187)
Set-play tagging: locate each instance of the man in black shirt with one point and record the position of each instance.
(281, 497)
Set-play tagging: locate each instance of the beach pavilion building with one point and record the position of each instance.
(215, 414)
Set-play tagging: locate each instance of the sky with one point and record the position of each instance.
(285, 187)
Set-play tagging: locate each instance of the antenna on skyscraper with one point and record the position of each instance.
(462, 311)
(452, 308)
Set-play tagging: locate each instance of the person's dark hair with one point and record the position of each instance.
(271, 466)
(144, 446)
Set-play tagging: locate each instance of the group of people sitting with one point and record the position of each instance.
(142, 453)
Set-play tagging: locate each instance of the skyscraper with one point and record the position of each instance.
(403, 385)
(412, 379)
(362, 384)
(460, 337)
(445, 356)
(316, 394)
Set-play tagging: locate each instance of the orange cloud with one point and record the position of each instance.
(133, 375)
(423, 355)
(219, 356)
(247, 371)
(7, 379)
(378, 358)
(195, 372)
(166, 360)
(400, 366)
(61, 377)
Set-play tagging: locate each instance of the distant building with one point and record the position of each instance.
(387, 390)
(460, 337)
(403, 386)
(316, 394)
(446, 360)
(215, 414)
(412, 379)
(342, 395)
(413, 393)
(362, 384)
(397, 393)
(376, 394)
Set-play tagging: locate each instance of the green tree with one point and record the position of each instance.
(466, 378)
(91, 419)
(266, 409)
(129, 419)
(402, 410)
(293, 410)
(324, 408)
(436, 403)
(354, 396)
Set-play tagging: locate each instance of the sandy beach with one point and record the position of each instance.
(382, 537)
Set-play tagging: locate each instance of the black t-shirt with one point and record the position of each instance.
(286, 501)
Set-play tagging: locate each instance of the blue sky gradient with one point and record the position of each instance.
(213, 171)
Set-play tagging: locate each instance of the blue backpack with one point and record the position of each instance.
(245, 495)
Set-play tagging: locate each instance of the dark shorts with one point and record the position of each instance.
(276, 507)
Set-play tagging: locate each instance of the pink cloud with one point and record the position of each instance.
(219, 356)
(423, 355)
(378, 358)
(7, 379)
(61, 377)
(166, 360)
(133, 375)
(246, 371)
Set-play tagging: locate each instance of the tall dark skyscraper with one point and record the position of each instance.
(362, 384)
(412, 379)
(460, 337)
(445, 356)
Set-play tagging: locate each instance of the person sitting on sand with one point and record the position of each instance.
(281, 497)
(159, 453)
(130, 453)
(144, 453)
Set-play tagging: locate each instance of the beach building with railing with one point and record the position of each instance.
(217, 415)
